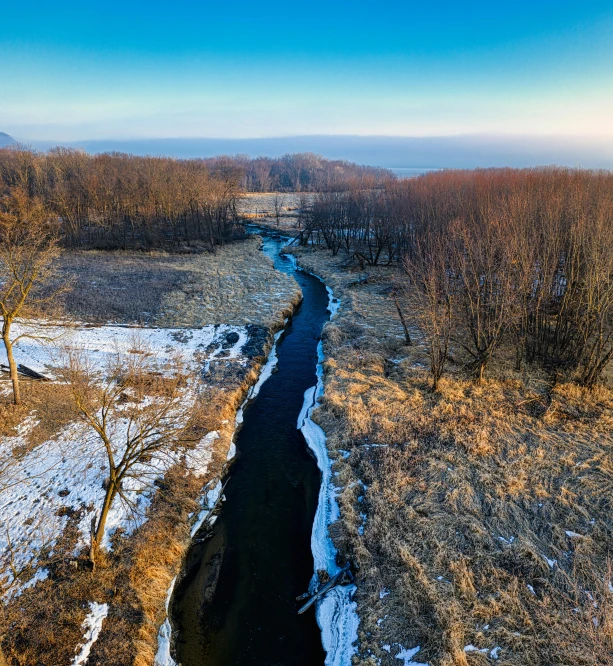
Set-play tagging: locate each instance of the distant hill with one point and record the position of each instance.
(463, 152)
(6, 140)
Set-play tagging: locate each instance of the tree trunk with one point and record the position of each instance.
(8, 345)
(407, 335)
(481, 371)
(111, 491)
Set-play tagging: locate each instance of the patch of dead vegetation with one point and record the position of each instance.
(49, 406)
(235, 285)
(485, 510)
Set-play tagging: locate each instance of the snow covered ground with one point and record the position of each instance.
(67, 472)
(41, 349)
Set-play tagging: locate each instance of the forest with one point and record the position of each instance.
(125, 201)
(490, 259)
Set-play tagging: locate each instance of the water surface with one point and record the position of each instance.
(236, 604)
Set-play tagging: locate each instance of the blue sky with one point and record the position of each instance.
(89, 70)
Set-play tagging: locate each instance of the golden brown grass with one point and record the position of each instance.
(49, 404)
(464, 495)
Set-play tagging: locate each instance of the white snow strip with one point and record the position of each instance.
(572, 535)
(333, 303)
(92, 625)
(292, 259)
(407, 656)
(336, 612)
(162, 657)
(265, 373)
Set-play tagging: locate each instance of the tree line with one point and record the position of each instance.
(123, 201)
(490, 261)
(298, 172)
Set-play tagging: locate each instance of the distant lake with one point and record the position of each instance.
(411, 172)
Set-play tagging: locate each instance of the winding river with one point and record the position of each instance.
(236, 602)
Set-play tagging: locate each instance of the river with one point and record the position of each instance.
(236, 602)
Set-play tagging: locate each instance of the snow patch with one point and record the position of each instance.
(92, 625)
(472, 648)
(407, 656)
(162, 657)
(336, 612)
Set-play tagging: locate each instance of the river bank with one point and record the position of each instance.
(132, 581)
(455, 506)
(236, 600)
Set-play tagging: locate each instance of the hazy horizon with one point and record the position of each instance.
(394, 152)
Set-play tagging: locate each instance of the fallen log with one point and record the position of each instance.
(337, 579)
(32, 374)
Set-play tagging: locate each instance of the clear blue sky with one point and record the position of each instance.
(90, 69)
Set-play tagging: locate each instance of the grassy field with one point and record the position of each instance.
(235, 285)
(478, 517)
(262, 207)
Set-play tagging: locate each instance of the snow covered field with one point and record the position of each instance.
(66, 474)
(41, 349)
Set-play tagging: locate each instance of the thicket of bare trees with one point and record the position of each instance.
(299, 172)
(493, 258)
(118, 200)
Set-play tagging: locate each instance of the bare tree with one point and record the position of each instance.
(481, 264)
(278, 207)
(430, 293)
(28, 248)
(141, 415)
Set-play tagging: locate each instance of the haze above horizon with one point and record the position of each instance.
(79, 72)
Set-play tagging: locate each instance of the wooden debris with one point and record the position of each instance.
(343, 576)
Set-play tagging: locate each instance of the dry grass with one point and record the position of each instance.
(463, 496)
(49, 404)
(235, 285)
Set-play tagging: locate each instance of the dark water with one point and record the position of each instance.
(259, 553)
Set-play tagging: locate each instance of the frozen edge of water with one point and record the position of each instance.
(336, 613)
(163, 656)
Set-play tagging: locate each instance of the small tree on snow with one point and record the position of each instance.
(141, 417)
(28, 248)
